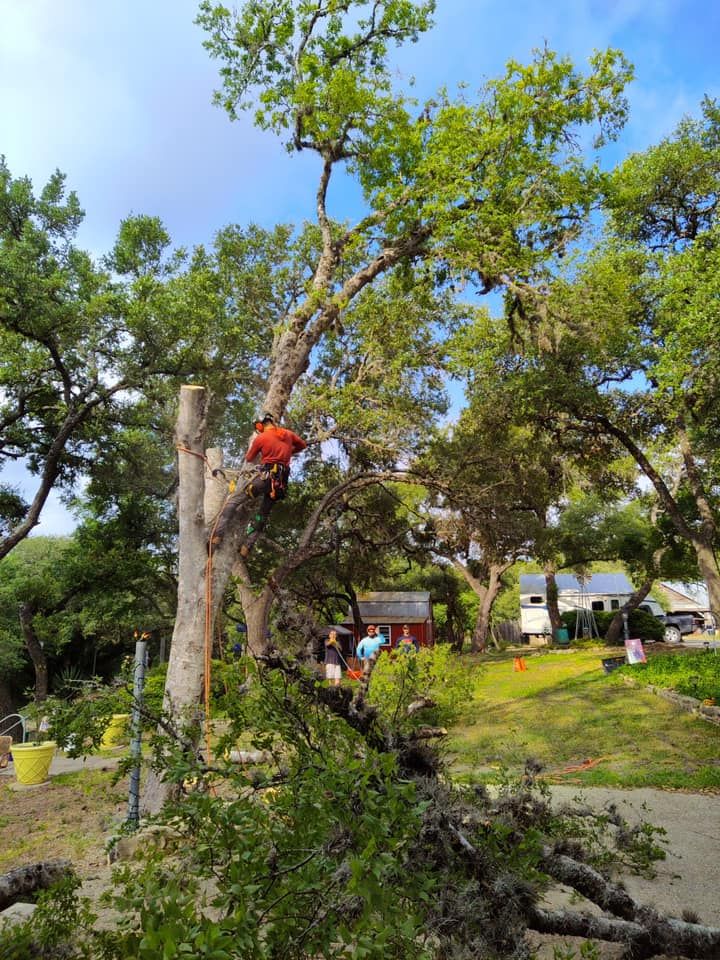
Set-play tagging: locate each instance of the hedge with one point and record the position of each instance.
(640, 624)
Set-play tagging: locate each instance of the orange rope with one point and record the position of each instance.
(193, 453)
(579, 767)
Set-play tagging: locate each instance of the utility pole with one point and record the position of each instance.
(133, 814)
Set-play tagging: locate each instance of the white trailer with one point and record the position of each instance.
(603, 592)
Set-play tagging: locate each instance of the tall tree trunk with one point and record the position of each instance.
(256, 610)
(551, 593)
(479, 640)
(702, 541)
(708, 566)
(355, 607)
(705, 539)
(7, 703)
(34, 648)
(186, 675)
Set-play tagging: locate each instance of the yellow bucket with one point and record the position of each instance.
(32, 761)
(116, 731)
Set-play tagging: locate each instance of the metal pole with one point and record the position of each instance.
(133, 814)
(626, 632)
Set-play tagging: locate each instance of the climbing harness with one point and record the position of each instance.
(231, 483)
(271, 481)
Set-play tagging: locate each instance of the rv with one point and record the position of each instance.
(603, 592)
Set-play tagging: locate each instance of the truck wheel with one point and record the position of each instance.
(672, 634)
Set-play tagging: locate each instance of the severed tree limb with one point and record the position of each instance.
(589, 883)
(428, 733)
(650, 936)
(660, 934)
(574, 924)
(420, 704)
(22, 881)
(645, 932)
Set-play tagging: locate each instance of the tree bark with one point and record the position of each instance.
(613, 633)
(479, 640)
(708, 566)
(186, 674)
(216, 487)
(256, 610)
(34, 648)
(551, 593)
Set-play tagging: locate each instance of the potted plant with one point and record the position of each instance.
(116, 731)
(32, 761)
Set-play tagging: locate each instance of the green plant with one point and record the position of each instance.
(435, 676)
(59, 927)
(691, 674)
(588, 951)
(154, 688)
(640, 624)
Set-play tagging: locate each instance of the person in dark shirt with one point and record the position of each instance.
(407, 642)
(333, 668)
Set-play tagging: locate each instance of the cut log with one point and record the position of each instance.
(18, 883)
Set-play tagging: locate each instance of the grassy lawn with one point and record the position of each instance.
(565, 711)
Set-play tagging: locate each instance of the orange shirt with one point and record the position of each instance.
(275, 445)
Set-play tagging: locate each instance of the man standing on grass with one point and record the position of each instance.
(368, 649)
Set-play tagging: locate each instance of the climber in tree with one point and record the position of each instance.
(274, 446)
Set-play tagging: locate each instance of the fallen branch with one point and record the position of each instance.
(420, 704)
(428, 733)
(659, 934)
(23, 881)
(573, 924)
(589, 883)
(644, 930)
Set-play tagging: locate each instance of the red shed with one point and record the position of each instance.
(390, 609)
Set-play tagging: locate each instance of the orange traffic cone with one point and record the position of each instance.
(519, 664)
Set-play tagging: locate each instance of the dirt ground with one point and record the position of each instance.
(74, 817)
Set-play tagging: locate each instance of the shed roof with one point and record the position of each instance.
(341, 631)
(599, 583)
(393, 606)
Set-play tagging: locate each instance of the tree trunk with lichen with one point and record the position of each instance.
(26, 614)
(185, 676)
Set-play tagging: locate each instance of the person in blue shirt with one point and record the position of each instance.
(368, 648)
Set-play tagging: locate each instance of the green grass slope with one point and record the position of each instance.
(584, 727)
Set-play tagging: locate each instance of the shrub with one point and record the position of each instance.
(154, 689)
(692, 674)
(640, 624)
(434, 673)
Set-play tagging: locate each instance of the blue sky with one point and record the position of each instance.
(116, 93)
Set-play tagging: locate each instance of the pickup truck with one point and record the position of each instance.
(677, 625)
